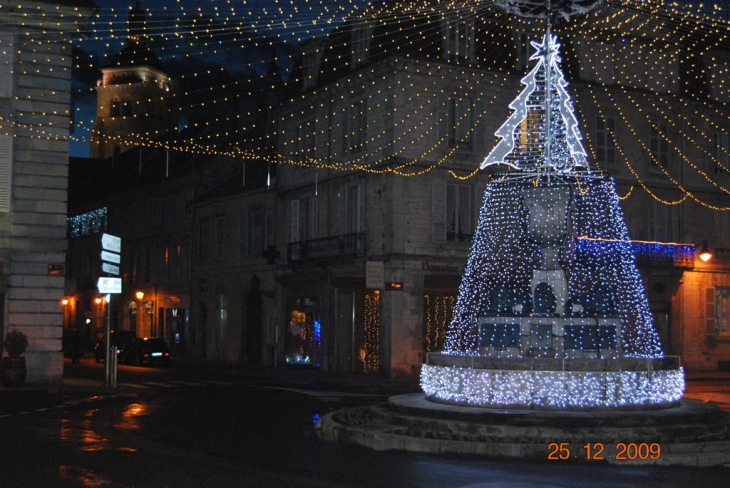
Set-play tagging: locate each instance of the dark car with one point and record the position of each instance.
(152, 351)
(126, 342)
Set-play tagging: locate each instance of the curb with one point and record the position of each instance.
(380, 433)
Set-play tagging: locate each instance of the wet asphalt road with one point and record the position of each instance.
(182, 428)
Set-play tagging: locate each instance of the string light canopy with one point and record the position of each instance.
(666, 52)
(543, 320)
(217, 33)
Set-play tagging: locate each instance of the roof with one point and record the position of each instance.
(136, 54)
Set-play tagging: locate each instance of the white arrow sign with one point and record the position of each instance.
(110, 256)
(110, 268)
(109, 285)
(111, 243)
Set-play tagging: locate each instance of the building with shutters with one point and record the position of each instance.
(380, 195)
(350, 254)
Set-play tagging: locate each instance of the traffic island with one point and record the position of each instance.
(691, 434)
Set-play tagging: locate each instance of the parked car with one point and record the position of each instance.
(153, 351)
(126, 342)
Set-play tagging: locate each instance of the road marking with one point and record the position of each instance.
(329, 399)
(42, 409)
(188, 383)
(221, 383)
(324, 395)
(131, 385)
(163, 385)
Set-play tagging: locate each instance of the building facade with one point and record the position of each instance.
(35, 79)
(349, 255)
(133, 96)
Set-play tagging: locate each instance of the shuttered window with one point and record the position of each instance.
(6, 172)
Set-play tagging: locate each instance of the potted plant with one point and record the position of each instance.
(14, 370)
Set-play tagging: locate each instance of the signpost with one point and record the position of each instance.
(111, 247)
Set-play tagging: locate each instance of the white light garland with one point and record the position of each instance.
(557, 389)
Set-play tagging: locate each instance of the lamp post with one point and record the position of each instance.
(705, 253)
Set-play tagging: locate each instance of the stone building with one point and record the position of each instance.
(379, 194)
(35, 81)
(133, 96)
(350, 254)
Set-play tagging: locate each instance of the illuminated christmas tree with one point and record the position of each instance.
(551, 310)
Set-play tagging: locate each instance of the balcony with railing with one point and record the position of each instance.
(648, 254)
(327, 248)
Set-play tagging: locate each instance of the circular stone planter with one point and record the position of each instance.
(522, 388)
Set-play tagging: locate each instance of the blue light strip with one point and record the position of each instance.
(89, 223)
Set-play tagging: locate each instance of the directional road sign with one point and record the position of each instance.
(109, 285)
(111, 243)
(110, 257)
(110, 268)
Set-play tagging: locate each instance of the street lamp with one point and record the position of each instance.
(705, 254)
(139, 295)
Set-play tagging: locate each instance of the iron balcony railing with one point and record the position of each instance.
(648, 254)
(327, 248)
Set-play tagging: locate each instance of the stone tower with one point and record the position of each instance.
(135, 100)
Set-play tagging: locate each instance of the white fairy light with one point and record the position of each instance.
(523, 135)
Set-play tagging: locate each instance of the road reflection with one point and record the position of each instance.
(84, 477)
(79, 433)
(131, 416)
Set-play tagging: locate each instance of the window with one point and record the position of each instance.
(356, 123)
(458, 212)
(219, 237)
(662, 222)
(304, 219)
(305, 143)
(459, 122)
(256, 231)
(354, 210)
(147, 264)
(459, 37)
(603, 63)
(360, 43)
(659, 144)
(116, 108)
(451, 213)
(605, 144)
(242, 233)
(718, 161)
(6, 172)
(6, 65)
(722, 310)
(525, 52)
(184, 261)
(126, 107)
(203, 235)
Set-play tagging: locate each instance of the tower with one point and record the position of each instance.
(135, 99)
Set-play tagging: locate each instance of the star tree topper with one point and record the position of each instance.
(562, 136)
